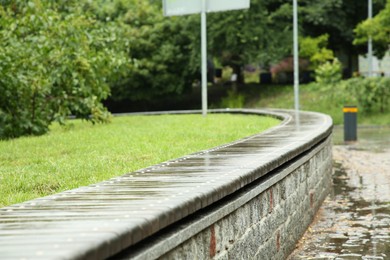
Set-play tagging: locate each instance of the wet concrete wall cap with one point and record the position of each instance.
(98, 221)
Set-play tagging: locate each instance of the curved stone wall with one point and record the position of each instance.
(244, 199)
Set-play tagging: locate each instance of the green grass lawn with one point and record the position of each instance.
(81, 153)
(312, 98)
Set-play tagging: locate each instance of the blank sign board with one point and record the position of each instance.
(183, 7)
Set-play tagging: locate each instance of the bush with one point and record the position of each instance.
(315, 49)
(53, 65)
(329, 73)
(370, 93)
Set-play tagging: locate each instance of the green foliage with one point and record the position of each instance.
(314, 97)
(77, 155)
(337, 18)
(233, 100)
(261, 34)
(371, 93)
(378, 28)
(161, 48)
(53, 65)
(161, 51)
(64, 57)
(315, 49)
(329, 73)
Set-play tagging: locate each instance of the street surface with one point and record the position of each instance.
(354, 221)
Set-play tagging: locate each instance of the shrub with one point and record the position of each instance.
(329, 73)
(52, 65)
(315, 49)
(370, 93)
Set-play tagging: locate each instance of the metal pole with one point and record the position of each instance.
(370, 41)
(296, 57)
(204, 57)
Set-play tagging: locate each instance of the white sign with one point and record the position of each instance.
(183, 7)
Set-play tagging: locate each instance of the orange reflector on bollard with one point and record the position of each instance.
(350, 110)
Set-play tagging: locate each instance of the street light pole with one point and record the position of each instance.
(204, 57)
(296, 57)
(370, 42)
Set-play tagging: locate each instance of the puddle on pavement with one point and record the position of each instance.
(348, 228)
(374, 139)
(354, 221)
(361, 228)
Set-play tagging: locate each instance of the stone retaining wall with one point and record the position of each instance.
(267, 226)
(261, 221)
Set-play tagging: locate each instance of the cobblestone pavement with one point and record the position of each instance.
(354, 221)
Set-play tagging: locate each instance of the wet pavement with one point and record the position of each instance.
(354, 221)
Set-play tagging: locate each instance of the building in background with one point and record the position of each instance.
(380, 67)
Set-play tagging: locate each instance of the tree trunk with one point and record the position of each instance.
(238, 71)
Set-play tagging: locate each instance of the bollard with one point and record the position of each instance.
(350, 123)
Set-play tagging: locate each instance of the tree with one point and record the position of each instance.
(160, 48)
(315, 50)
(378, 28)
(53, 65)
(337, 18)
(261, 34)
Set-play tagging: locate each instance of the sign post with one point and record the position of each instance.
(204, 57)
(185, 7)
